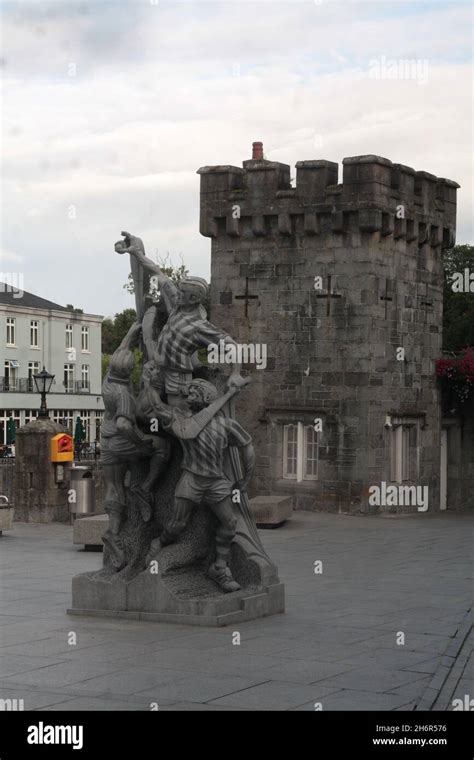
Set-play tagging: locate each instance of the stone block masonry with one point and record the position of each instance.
(344, 285)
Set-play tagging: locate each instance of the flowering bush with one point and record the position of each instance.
(457, 374)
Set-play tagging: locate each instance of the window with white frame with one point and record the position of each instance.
(68, 336)
(69, 378)
(86, 424)
(34, 333)
(85, 377)
(84, 338)
(300, 452)
(5, 416)
(30, 415)
(404, 450)
(33, 369)
(10, 375)
(64, 417)
(11, 331)
(98, 423)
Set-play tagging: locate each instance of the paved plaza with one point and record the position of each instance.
(383, 580)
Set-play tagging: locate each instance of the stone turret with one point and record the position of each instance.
(343, 284)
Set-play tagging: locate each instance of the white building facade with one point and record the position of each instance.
(36, 333)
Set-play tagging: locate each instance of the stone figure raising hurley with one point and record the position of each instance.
(205, 435)
(186, 329)
(187, 408)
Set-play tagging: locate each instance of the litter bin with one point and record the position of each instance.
(82, 482)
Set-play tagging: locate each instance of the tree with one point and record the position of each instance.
(114, 330)
(174, 273)
(72, 308)
(458, 318)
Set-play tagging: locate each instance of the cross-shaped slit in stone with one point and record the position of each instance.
(328, 294)
(246, 297)
(426, 304)
(386, 298)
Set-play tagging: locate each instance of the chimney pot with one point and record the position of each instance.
(257, 151)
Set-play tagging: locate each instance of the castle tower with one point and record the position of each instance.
(343, 285)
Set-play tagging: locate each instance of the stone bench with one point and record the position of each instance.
(89, 531)
(6, 518)
(271, 511)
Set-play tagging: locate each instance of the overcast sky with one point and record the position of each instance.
(109, 108)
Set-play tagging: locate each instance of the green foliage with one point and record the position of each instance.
(174, 273)
(458, 319)
(105, 364)
(115, 330)
(71, 308)
(136, 372)
(79, 432)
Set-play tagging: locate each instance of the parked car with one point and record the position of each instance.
(7, 452)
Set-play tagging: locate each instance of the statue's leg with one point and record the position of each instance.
(160, 456)
(179, 520)
(115, 503)
(143, 491)
(225, 534)
(115, 496)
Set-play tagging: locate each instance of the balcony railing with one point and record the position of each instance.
(27, 385)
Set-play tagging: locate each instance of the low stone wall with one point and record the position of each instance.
(461, 461)
(6, 479)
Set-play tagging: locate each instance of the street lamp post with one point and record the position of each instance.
(43, 382)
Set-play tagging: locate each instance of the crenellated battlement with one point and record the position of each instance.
(375, 196)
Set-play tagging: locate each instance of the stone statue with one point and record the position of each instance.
(177, 464)
(123, 444)
(203, 480)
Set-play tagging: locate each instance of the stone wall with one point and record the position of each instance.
(7, 469)
(376, 242)
(37, 496)
(461, 459)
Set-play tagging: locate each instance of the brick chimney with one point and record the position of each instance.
(257, 151)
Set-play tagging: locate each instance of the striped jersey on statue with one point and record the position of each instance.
(184, 333)
(204, 455)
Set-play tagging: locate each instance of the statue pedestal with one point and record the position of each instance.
(152, 598)
(175, 587)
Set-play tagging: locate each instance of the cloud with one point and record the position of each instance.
(9, 256)
(159, 90)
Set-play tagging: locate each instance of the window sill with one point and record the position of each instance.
(288, 482)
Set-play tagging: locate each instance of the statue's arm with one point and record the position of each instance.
(130, 338)
(235, 378)
(239, 437)
(134, 246)
(127, 428)
(247, 454)
(209, 333)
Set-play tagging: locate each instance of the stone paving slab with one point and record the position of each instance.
(336, 644)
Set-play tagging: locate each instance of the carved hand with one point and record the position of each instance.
(131, 244)
(237, 381)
